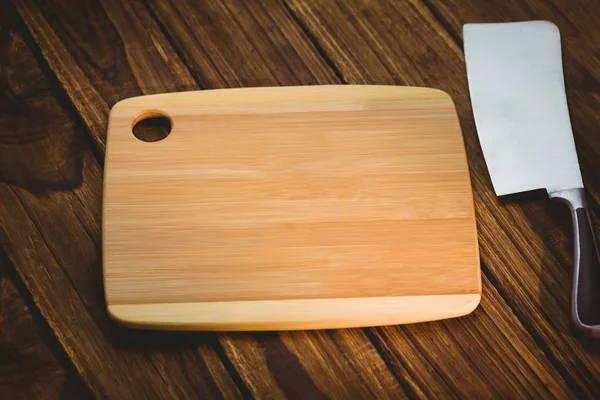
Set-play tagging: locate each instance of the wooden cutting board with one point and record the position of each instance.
(289, 208)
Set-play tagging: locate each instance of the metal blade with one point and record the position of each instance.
(518, 95)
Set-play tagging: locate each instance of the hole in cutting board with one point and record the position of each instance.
(151, 126)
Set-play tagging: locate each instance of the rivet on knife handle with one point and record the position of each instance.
(585, 302)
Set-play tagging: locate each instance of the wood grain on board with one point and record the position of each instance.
(518, 343)
(233, 222)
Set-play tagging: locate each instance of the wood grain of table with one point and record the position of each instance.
(64, 64)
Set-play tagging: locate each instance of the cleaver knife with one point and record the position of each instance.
(518, 95)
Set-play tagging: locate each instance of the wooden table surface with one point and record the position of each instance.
(65, 63)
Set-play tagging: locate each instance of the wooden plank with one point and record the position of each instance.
(305, 364)
(32, 363)
(84, 49)
(524, 260)
(52, 235)
(235, 43)
(487, 353)
(106, 80)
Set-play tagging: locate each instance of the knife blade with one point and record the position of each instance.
(517, 91)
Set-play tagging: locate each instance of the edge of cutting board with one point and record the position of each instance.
(294, 314)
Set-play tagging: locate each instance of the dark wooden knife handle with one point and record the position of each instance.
(585, 300)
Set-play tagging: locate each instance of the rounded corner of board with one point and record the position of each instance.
(446, 97)
(125, 103)
(440, 93)
(113, 313)
(117, 315)
(470, 306)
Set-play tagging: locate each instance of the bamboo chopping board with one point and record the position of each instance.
(289, 208)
